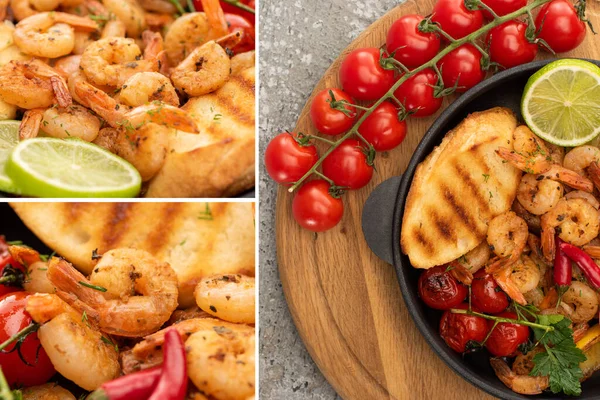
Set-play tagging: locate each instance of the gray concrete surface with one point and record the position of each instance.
(299, 39)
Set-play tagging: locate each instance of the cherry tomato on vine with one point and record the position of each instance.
(287, 160)
(24, 363)
(231, 9)
(315, 209)
(486, 294)
(418, 93)
(509, 46)
(409, 45)
(455, 19)
(348, 165)
(506, 338)
(383, 129)
(462, 67)
(440, 290)
(562, 28)
(239, 23)
(458, 330)
(502, 7)
(363, 77)
(332, 117)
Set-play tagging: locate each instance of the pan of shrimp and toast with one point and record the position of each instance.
(493, 232)
(151, 99)
(127, 301)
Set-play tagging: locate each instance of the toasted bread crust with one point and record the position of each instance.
(458, 189)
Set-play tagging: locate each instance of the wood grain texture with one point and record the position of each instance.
(345, 302)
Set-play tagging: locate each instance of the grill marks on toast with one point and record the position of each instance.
(116, 225)
(168, 214)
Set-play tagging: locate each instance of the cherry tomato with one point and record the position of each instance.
(231, 9)
(487, 295)
(11, 272)
(239, 23)
(315, 209)
(502, 7)
(562, 29)
(418, 93)
(363, 77)
(506, 338)
(287, 160)
(331, 120)
(382, 128)
(455, 19)
(348, 166)
(508, 45)
(458, 330)
(440, 290)
(410, 46)
(23, 363)
(463, 65)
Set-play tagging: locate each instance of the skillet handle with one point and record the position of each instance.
(378, 218)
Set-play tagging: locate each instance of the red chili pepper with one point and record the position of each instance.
(172, 384)
(563, 269)
(137, 386)
(584, 262)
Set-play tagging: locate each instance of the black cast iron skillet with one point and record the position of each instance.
(382, 220)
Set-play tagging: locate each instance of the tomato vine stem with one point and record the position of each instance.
(454, 44)
(23, 332)
(502, 319)
(240, 5)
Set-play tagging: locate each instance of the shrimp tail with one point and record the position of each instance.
(215, 16)
(460, 273)
(569, 178)
(523, 384)
(548, 241)
(594, 174)
(67, 279)
(30, 125)
(24, 255)
(154, 45)
(61, 91)
(502, 278)
(523, 163)
(91, 314)
(231, 40)
(43, 307)
(162, 114)
(99, 102)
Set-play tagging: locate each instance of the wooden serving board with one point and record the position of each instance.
(345, 302)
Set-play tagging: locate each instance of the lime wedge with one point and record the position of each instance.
(49, 167)
(9, 138)
(561, 102)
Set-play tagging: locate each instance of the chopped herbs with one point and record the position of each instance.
(207, 214)
(108, 341)
(95, 255)
(183, 242)
(486, 177)
(46, 257)
(89, 285)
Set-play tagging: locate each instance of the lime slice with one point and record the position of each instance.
(49, 167)
(561, 102)
(9, 138)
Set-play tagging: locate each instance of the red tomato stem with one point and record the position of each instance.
(33, 327)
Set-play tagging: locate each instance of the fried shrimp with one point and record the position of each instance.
(580, 158)
(74, 121)
(50, 34)
(576, 220)
(520, 383)
(205, 70)
(67, 66)
(543, 166)
(517, 278)
(507, 236)
(141, 291)
(228, 297)
(130, 13)
(33, 84)
(145, 87)
(580, 302)
(112, 61)
(78, 351)
(37, 279)
(221, 363)
(538, 196)
(49, 391)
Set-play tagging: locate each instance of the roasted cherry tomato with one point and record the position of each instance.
(462, 67)
(383, 129)
(506, 338)
(231, 9)
(458, 330)
(24, 363)
(418, 93)
(239, 23)
(486, 294)
(315, 209)
(363, 77)
(332, 117)
(287, 160)
(508, 45)
(562, 29)
(455, 19)
(502, 7)
(348, 165)
(409, 45)
(440, 290)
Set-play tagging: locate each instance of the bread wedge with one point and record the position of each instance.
(458, 189)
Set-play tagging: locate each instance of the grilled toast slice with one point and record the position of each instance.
(196, 243)
(459, 188)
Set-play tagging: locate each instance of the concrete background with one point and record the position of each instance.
(299, 39)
